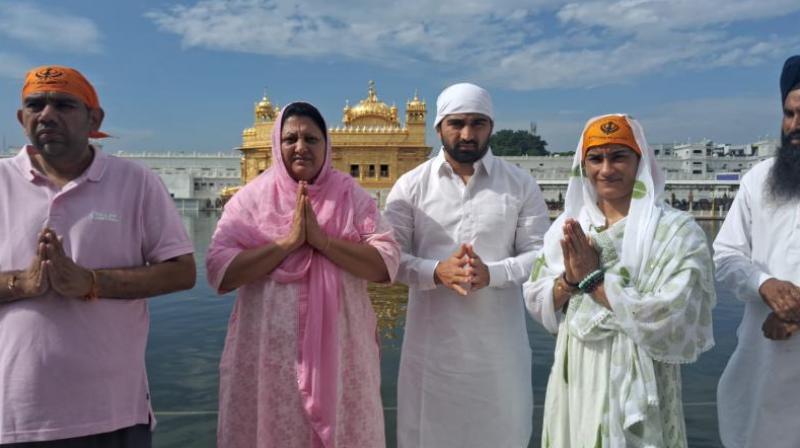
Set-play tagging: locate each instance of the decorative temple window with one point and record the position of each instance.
(371, 171)
(355, 171)
(384, 170)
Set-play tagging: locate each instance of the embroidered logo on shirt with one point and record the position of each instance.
(100, 216)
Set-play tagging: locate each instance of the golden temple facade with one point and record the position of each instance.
(371, 144)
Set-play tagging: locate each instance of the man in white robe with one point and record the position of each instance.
(469, 225)
(757, 254)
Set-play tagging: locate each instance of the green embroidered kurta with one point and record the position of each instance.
(615, 381)
(600, 354)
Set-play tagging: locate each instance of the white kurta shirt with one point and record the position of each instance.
(758, 397)
(465, 377)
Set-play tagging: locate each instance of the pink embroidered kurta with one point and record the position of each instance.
(300, 366)
(259, 401)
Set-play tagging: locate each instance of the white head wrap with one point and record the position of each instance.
(463, 98)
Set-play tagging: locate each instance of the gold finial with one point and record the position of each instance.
(373, 96)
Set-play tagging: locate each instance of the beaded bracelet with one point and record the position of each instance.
(591, 281)
(594, 284)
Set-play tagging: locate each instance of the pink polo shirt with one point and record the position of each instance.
(70, 368)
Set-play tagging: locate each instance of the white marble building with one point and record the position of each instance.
(702, 170)
(194, 179)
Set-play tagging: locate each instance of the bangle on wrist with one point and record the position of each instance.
(564, 284)
(93, 293)
(567, 282)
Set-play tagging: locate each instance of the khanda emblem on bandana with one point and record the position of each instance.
(49, 73)
(609, 128)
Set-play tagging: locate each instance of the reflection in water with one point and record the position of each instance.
(188, 331)
(389, 302)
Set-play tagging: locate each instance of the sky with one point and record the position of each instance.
(184, 75)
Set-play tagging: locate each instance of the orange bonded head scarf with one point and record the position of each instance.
(56, 78)
(610, 129)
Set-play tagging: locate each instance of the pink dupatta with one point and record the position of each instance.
(274, 195)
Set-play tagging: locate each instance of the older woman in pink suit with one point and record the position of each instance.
(300, 366)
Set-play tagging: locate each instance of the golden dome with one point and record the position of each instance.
(370, 111)
(264, 110)
(415, 104)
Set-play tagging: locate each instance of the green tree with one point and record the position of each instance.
(506, 142)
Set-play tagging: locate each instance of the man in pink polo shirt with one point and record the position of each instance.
(84, 237)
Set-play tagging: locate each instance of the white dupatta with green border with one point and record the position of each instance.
(661, 291)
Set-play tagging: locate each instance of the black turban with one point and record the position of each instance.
(790, 77)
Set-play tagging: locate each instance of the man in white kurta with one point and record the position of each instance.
(757, 254)
(465, 368)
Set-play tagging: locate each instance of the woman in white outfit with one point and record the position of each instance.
(626, 282)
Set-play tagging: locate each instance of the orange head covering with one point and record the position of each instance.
(609, 129)
(56, 78)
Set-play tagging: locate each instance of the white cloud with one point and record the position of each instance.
(648, 16)
(554, 63)
(48, 30)
(514, 44)
(394, 33)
